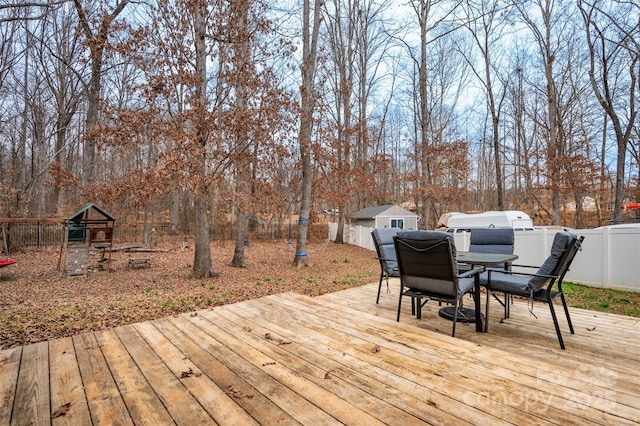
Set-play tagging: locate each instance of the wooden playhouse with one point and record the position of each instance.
(88, 228)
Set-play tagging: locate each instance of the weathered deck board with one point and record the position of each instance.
(31, 404)
(334, 359)
(103, 397)
(446, 372)
(142, 402)
(66, 385)
(9, 368)
(317, 366)
(162, 365)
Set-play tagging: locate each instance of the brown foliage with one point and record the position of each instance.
(37, 303)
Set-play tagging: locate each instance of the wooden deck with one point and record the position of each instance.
(335, 359)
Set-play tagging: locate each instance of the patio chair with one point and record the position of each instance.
(428, 270)
(494, 240)
(383, 241)
(545, 285)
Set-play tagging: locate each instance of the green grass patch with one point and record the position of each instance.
(350, 279)
(602, 299)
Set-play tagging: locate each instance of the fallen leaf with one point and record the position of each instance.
(268, 363)
(231, 391)
(187, 373)
(375, 349)
(268, 336)
(58, 307)
(61, 411)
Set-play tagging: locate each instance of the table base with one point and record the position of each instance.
(464, 314)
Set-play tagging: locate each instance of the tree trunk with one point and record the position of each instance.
(340, 234)
(202, 265)
(307, 98)
(97, 42)
(243, 162)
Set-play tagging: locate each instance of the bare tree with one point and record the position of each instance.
(340, 18)
(241, 133)
(61, 53)
(310, 30)
(436, 21)
(487, 22)
(42, 7)
(97, 39)
(611, 34)
(552, 47)
(357, 44)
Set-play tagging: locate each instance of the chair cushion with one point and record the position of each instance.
(561, 242)
(431, 285)
(506, 282)
(383, 237)
(465, 285)
(429, 235)
(492, 240)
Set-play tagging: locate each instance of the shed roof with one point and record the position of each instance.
(372, 212)
(84, 213)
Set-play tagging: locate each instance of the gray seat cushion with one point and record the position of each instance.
(384, 240)
(506, 282)
(492, 240)
(561, 242)
(527, 284)
(428, 235)
(465, 285)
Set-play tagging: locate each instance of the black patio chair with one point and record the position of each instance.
(428, 270)
(383, 241)
(492, 240)
(545, 285)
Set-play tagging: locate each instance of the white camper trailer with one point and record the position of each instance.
(460, 222)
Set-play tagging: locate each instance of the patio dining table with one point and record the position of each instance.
(476, 259)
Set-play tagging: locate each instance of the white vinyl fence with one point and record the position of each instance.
(610, 257)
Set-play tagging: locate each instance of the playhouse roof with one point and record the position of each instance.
(85, 212)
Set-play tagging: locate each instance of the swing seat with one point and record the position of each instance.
(7, 262)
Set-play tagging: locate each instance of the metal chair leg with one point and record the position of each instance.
(379, 287)
(555, 322)
(566, 312)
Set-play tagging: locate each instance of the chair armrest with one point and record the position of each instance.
(526, 274)
(470, 272)
(525, 266)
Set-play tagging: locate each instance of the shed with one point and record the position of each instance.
(89, 227)
(387, 216)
